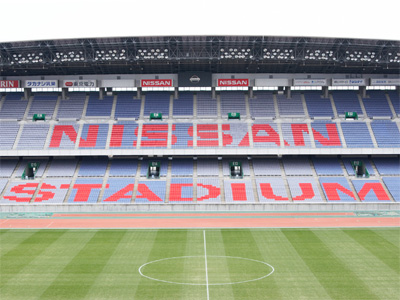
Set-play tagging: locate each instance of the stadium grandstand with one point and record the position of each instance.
(200, 123)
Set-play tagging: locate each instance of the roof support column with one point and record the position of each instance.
(251, 92)
(362, 90)
(176, 93)
(102, 92)
(139, 92)
(27, 93)
(325, 92)
(64, 93)
(213, 94)
(288, 92)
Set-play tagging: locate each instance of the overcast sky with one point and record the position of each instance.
(23, 20)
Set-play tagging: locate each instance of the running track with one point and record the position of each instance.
(199, 220)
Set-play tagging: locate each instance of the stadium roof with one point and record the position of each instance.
(216, 54)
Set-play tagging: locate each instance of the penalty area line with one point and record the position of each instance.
(205, 260)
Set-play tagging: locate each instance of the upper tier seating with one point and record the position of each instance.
(395, 99)
(43, 103)
(356, 135)
(233, 102)
(346, 101)
(183, 106)
(8, 131)
(157, 102)
(33, 136)
(64, 135)
(262, 105)
(13, 107)
(318, 106)
(99, 108)
(292, 107)
(386, 134)
(206, 105)
(377, 105)
(184, 138)
(72, 108)
(127, 106)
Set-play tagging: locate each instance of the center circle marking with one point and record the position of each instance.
(209, 256)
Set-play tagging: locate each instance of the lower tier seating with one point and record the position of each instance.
(205, 180)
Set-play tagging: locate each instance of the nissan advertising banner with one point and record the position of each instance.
(9, 84)
(156, 83)
(233, 82)
(80, 83)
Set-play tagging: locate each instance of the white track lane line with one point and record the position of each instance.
(205, 258)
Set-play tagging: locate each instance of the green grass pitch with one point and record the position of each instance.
(200, 264)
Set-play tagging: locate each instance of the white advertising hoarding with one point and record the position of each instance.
(310, 82)
(118, 83)
(386, 81)
(273, 82)
(349, 82)
(41, 83)
(80, 83)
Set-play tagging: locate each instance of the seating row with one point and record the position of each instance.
(296, 189)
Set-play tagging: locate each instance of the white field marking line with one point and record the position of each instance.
(205, 258)
(4, 221)
(49, 224)
(217, 256)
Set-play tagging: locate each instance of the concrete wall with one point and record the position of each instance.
(199, 207)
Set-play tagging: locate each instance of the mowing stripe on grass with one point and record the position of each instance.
(75, 280)
(381, 279)
(392, 235)
(205, 259)
(242, 244)
(39, 274)
(293, 277)
(374, 243)
(166, 244)
(26, 251)
(339, 281)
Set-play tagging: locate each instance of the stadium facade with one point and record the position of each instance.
(200, 122)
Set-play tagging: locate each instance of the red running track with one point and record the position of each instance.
(216, 222)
